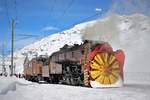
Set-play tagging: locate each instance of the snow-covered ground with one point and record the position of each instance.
(19, 89)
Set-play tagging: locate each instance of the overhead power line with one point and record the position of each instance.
(7, 12)
(67, 8)
(64, 12)
(27, 35)
(81, 21)
(16, 11)
(52, 6)
(85, 19)
(24, 37)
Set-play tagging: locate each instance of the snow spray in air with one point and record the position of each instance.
(127, 32)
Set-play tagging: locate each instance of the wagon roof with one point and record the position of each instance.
(67, 48)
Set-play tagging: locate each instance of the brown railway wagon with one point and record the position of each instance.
(33, 68)
(36, 67)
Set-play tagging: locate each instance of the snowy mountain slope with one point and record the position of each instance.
(47, 46)
(130, 33)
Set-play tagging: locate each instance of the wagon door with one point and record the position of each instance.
(45, 71)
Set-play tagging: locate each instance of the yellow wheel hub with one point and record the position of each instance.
(104, 68)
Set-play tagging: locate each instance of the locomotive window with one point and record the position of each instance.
(82, 51)
(72, 54)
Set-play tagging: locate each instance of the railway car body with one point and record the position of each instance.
(90, 64)
(67, 63)
(33, 69)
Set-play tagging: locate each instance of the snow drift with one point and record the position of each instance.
(19, 89)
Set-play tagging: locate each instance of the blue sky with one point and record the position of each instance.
(40, 18)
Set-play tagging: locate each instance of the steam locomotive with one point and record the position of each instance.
(90, 64)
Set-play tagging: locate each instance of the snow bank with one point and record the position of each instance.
(9, 84)
(33, 91)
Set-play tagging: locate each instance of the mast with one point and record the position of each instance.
(12, 48)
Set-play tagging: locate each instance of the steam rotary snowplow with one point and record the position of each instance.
(89, 64)
(104, 67)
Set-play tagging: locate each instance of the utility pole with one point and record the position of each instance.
(12, 48)
(3, 60)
